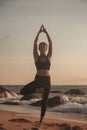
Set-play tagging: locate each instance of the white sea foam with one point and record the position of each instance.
(24, 102)
(80, 99)
(71, 107)
(75, 104)
(17, 100)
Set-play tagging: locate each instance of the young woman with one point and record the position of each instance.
(42, 79)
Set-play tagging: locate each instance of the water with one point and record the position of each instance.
(63, 88)
(75, 104)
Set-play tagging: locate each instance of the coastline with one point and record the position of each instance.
(51, 121)
(14, 121)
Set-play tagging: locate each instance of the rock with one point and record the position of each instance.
(4, 93)
(77, 128)
(1, 128)
(10, 103)
(53, 101)
(66, 126)
(21, 120)
(75, 92)
(56, 91)
(35, 128)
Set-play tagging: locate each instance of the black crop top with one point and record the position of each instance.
(42, 65)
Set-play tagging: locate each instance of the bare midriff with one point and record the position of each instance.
(43, 72)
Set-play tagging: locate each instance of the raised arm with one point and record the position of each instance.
(35, 52)
(50, 43)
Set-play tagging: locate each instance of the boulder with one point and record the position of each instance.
(75, 92)
(4, 93)
(10, 103)
(77, 128)
(53, 101)
(56, 91)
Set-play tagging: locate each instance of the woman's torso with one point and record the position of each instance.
(43, 66)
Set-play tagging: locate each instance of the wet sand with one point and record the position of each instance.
(22, 118)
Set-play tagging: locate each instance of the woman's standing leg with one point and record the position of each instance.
(44, 102)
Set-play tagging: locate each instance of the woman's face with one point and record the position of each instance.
(42, 48)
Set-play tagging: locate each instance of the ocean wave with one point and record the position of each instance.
(76, 104)
(18, 101)
(71, 107)
(79, 99)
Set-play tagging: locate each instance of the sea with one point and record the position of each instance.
(76, 103)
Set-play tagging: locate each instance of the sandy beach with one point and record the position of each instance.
(18, 120)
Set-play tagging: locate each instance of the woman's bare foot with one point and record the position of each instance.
(41, 120)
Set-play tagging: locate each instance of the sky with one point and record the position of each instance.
(66, 23)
